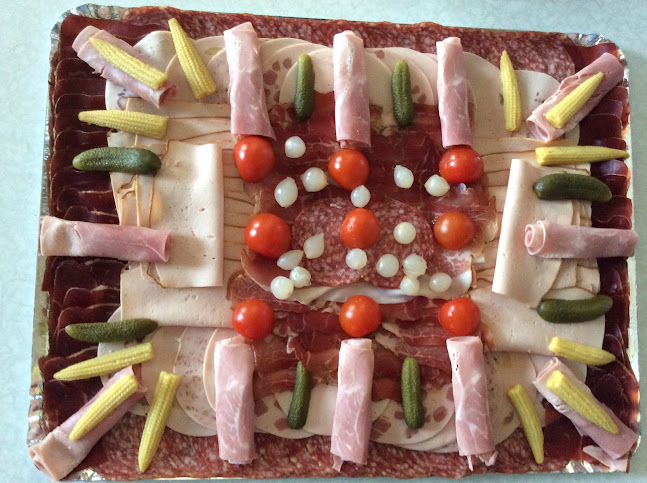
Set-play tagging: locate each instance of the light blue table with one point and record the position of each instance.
(24, 50)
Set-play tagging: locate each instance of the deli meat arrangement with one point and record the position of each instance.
(281, 247)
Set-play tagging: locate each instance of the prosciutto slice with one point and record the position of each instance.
(352, 112)
(249, 114)
(234, 363)
(86, 52)
(57, 456)
(452, 93)
(556, 240)
(614, 445)
(613, 72)
(82, 239)
(469, 382)
(351, 425)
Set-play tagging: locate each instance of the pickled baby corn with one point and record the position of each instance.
(529, 420)
(573, 102)
(511, 96)
(149, 125)
(106, 364)
(549, 156)
(580, 353)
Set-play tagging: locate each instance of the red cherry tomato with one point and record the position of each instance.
(453, 230)
(268, 235)
(254, 158)
(253, 319)
(360, 229)
(461, 165)
(460, 316)
(360, 315)
(349, 168)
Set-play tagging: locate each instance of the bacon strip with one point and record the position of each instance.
(452, 93)
(82, 239)
(57, 456)
(249, 114)
(613, 72)
(556, 240)
(352, 112)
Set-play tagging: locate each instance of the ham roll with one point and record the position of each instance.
(351, 425)
(82, 239)
(57, 456)
(91, 56)
(613, 72)
(469, 383)
(246, 92)
(556, 240)
(352, 112)
(452, 94)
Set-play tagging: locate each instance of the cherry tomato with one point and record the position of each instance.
(268, 235)
(349, 168)
(253, 319)
(360, 229)
(254, 158)
(460, 316)
(453, 230)
(360, 315)
(461, 164)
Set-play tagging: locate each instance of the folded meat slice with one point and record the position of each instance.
(234, 362)
(352, 112)
(452, 93)
(469, 382)
(249, 114)
(82, 239)
(57, 456)
(351, 427)
(613, 72)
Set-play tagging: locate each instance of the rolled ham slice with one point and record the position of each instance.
(469, 383)
(351, 425)
(246, 92)
(82, 239)
(234, 363)
(352, 112)
(86, 52)
(57, 456)
(613, 72)
(614, 445)
(452, 94)
(556, 240)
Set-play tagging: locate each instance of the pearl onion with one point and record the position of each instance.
(387, 265)
(360, 196)
(282, 287)
(294, 147)
(440, 282)
(313, 247)
(410, 286)
(290, 259)
(414, 265)
(403, 177)
(437, 186)
(404, 233)
(314, 179)
(286, 192)
(300, 277)
(356, 259)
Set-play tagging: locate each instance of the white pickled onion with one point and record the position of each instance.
(356, 259)
(403, 177)
(404, 233)
(294, 147)
(290, 259)
(387, 265)
(286, 192)
(360, 196)
(313, 247)
(314, 179)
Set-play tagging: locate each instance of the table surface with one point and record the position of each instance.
(24, 50)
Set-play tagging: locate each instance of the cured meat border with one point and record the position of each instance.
(197, 456)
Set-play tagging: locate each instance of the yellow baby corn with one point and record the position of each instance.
(529, 420)
(156, 418)
(573, 102)
(511, 96)
(581, 402)
(548, 156)
(194, 69)
(149, 125)
(107, 364)
(580, 353)
(104, 405)
(132, 66)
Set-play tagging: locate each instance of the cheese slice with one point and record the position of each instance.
(180, 109)
(187, 128)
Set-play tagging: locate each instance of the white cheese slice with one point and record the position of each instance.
(277, 63)
(421, 90)
(180, 109)
(271, 419)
